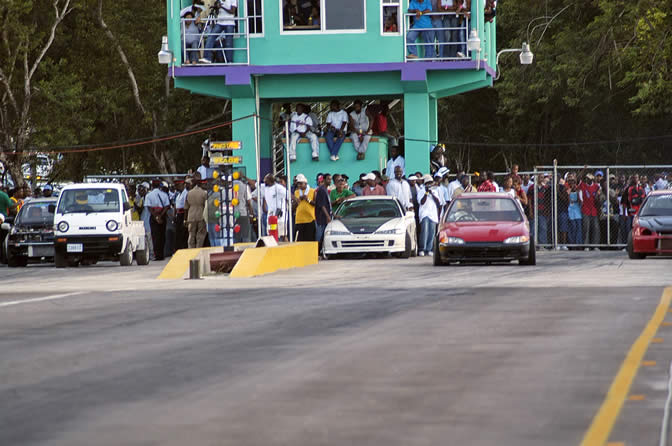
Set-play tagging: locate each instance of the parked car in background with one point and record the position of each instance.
(31, 236)
(484, 227)
(652, 227)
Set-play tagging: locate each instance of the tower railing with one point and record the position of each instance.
(195, 44)
(453, 45)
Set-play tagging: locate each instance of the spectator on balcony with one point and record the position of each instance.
(591, 223)
(446, 37)
(191, 38)
(360, 130)
(490, 10)
(299, 127)
(422, 27)
(399, 188)
(395, 160)
(372, 188)
(316, 127)
(285, 115)
(463, 8)
(337, 123)
(223, 31)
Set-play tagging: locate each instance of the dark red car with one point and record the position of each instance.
(484, 227)
(652, 227)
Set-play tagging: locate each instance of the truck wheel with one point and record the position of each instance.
(60, 260)
(142, 257)
(126, 258)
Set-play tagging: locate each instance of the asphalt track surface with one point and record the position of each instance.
(348, 352)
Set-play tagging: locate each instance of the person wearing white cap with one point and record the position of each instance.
(304, 205)
(400, 189)
(430, 205)
(371, 187)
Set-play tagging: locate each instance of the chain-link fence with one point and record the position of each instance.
(574, 207)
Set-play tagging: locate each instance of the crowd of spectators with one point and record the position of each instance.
(208, 29)
(360, 123)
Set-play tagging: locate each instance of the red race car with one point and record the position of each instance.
(652, 227)
(484, 227)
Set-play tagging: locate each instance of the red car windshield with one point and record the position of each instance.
(657, 206)
(483, 209)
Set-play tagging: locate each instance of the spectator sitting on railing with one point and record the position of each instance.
(360, 129)
(285, 115)
(451, 20)
(223, 30)
(317, 125)
(300, 128)
(191, 38)
(463, 8)
(337, 123)
(490, 10)
(422, 27)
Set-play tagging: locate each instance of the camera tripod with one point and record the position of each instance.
(210, 23)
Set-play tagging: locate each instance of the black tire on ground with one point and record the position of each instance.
(532, 258)
(142, 256)
(126, 257)
(60, 260)
(408, 245)
(631, 250)
(437, 255)
(73, 263)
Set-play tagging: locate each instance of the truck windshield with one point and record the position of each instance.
(89, 200)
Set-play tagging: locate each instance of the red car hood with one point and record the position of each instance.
(485, 231)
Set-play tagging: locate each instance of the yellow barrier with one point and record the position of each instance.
(258, 261)
(253, 262)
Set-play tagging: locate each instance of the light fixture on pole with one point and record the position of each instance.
(474, 41)
(526, 56)
(165, 55)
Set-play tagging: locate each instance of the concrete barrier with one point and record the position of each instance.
(253, 262)
(259, 261)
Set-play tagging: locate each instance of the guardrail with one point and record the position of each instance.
(448, 41)
(213, 44)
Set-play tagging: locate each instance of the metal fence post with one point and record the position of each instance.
(608, 201)
(536, 207)
(555, 204)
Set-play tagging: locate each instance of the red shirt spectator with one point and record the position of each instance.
(487, 186)
(588, 194)
(636, 195)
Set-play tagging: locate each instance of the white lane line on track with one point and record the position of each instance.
(40, 299)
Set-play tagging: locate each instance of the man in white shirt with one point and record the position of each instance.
(223, 31)
(204, 169)
(299, 127)
(360, 129)
(454, 185)
(400, 189)
(430, 204)
(337, 123)
(275, 203)
(395, 160)
(158, 203)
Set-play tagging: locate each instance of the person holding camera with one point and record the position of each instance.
(223, 30)
(275, 203)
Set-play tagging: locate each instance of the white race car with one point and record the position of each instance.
(372, 224)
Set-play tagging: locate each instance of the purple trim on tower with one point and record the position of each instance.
(411, 71)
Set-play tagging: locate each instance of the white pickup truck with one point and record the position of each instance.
(93, 222)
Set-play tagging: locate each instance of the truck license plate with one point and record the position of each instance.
(75, 247)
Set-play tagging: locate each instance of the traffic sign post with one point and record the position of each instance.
(222, 159)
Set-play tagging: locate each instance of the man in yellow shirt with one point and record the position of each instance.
(304, 203)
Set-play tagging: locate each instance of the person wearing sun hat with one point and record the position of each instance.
(304, 204)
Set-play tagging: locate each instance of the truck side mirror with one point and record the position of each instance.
(127, 206)
(52, 208)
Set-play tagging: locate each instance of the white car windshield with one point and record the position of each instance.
(89, 200)
(657, 206)
(368, 209)
(483, 209)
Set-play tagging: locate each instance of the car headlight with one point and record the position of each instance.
(517, 239)
(338, 233)
(389, 231)
(451, 240)
(63, 226)
(112, 225)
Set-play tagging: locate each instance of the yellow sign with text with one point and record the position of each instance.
(226, 145)
(218, 160)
